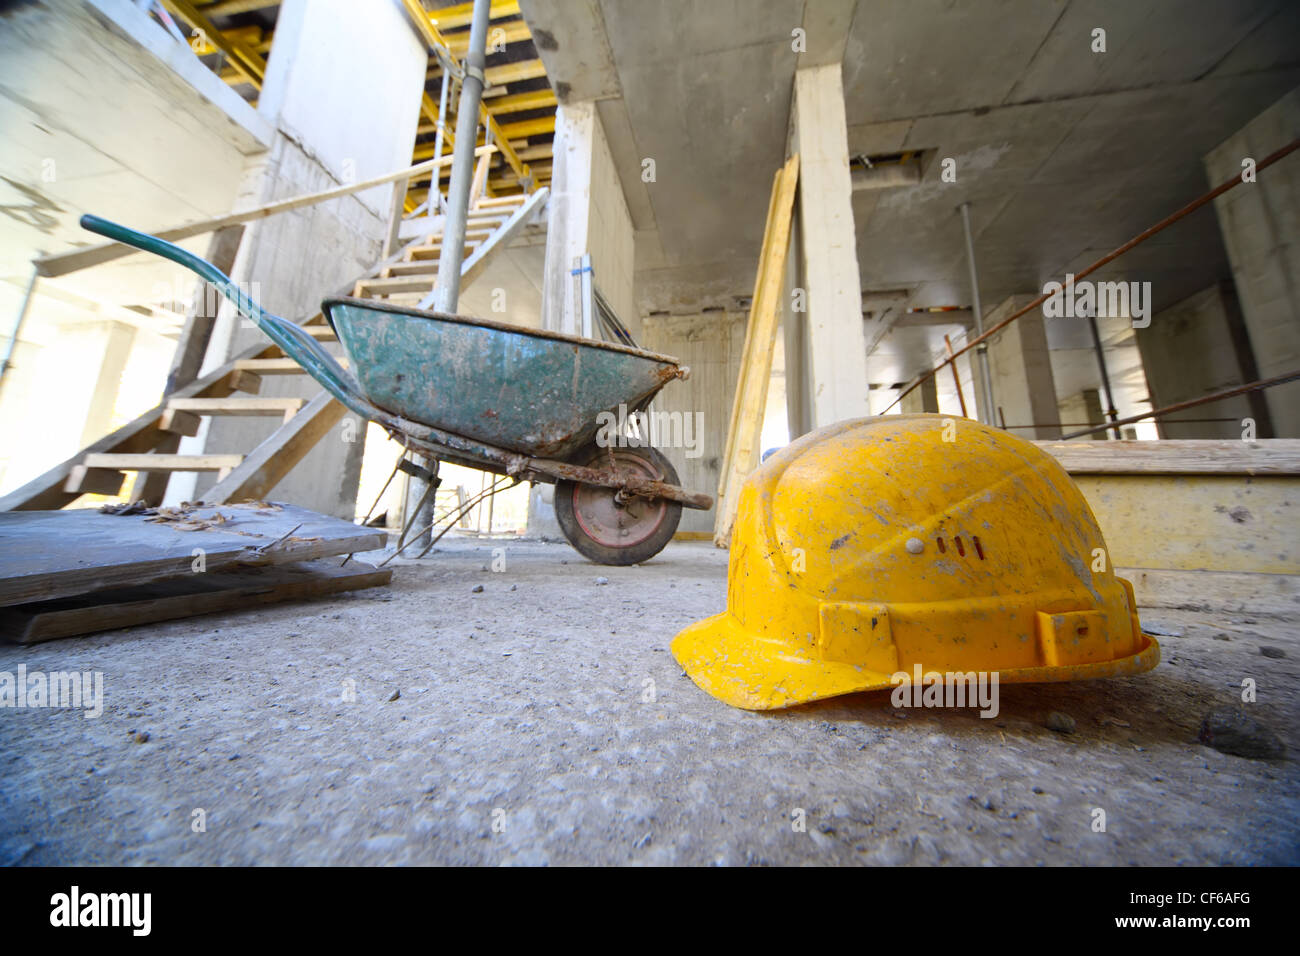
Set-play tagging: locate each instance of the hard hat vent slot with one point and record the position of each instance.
(942, 548)
(978, 550)
(960, 550)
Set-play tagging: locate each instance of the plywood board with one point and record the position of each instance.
(186, 596)
(51, 554)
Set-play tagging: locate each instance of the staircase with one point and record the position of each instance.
(148, 444)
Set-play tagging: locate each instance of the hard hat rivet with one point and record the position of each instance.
(915, 545)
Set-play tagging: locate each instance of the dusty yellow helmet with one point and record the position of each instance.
(869, 547)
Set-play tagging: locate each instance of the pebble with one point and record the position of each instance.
(602, 580)
(142, 737)
(1038, 790)
(1233, 731)
(396, 695)
(1061, 723)
(477, 589)
(1273, 652)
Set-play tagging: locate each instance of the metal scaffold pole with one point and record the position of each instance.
(986, 408)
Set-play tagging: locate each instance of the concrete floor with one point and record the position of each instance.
(523, 734)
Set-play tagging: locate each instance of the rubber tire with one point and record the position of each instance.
(632, 554)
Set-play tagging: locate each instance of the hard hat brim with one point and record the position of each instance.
(754, 673)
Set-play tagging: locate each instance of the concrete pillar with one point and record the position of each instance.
(587, 214)
(833, 347)
(1193, 348)
(117, 341)
(1260, 222)
(924, 398)
(335, 123)
(1023, 384)
(1081, 410)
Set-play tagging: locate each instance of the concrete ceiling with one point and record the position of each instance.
(101, 111)
(1064, 153)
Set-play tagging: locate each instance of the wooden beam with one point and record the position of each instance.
(185, 596)
(246, 61)
(519, 102)
(460, 15)
(270, 461)
(512, 32)
(741, 455)
(180, 422)
(1267, 456)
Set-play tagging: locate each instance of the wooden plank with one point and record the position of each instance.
(163, 462)
(1231, 591)
(185, 596)
(271, 407)
(272, 366)
(1267, 456)
(268, 463)
(180, 422)
(1198, 522)
(742, 451)
(94, 481)
(53, 554)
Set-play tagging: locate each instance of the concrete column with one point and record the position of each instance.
(587, 214)
(1260, 222)
(1196, 347)
(1081, 410)
(1022, 373)
(834, 346)
(117, 341)
(924, 398)
(335, 124)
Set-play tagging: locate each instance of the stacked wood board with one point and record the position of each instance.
(64, 573)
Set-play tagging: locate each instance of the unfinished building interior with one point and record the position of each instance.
(593, 423)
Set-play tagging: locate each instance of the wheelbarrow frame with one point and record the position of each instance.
(425, 439)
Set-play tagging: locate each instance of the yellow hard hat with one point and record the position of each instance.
(871, 547)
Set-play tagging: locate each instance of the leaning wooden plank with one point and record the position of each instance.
(267, 464)
(186, 596)
(164, 462)
(51, 554)
(741, 452)
(1267, 456)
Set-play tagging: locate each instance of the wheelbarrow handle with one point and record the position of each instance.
(289, 336)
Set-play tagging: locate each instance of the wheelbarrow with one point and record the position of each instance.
(522, 403)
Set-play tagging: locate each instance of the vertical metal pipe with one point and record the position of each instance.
(435, 187)
(986, 412)
(18, 326)
(447, 293)
(1111, 411)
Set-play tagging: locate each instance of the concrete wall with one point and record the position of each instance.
(1260, 222)
(334, 126)
(711, 344)
(1196, 347)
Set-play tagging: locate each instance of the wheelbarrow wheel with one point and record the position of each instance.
(610, 528)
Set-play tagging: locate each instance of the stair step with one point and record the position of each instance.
(433, 250)
(273, 366)
(102, 474)
(419, 267)
(284, 408)
(395, 285)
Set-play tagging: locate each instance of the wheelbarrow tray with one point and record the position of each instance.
(529, 391)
